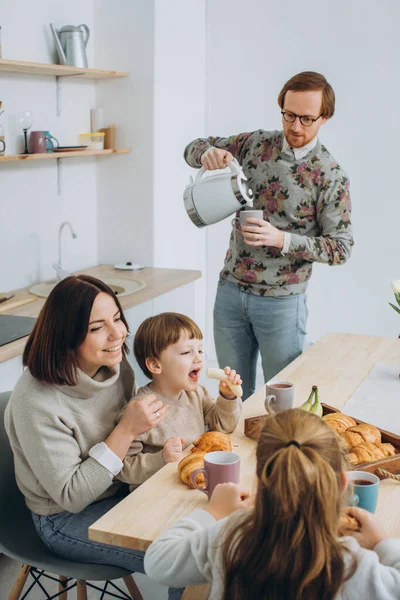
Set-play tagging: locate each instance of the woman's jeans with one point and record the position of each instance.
(66, 534)
(245, 324)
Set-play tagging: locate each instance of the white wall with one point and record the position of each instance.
(252, 50)
(30, 209)
(179, 116)
(125, 41)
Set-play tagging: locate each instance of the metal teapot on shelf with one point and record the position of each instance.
(71, 42)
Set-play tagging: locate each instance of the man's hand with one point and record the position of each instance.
(172, 450)
(261, 233)
(215, 158)
(226, 498)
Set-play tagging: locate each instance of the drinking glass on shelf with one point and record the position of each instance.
(25, 120)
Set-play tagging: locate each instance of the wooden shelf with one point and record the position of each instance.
(17, 66)
(50, 155)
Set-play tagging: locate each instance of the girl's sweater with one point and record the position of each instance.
(190, 553)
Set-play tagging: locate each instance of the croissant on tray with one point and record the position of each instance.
(339, 421)
(212, 441)
(188, 464)
(367, 452)
(353, 436)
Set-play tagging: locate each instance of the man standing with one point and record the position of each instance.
(304, 194)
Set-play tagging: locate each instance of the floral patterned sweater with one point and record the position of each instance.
(309, 198)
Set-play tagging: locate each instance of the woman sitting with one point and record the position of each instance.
(287, 546)
(61, 420)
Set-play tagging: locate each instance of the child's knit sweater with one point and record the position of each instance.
(185, 418)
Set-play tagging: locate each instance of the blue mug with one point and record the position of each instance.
(363, 490)
(49, 143)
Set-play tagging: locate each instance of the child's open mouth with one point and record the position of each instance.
(194, 375)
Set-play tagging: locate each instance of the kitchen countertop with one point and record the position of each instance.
(158, 281)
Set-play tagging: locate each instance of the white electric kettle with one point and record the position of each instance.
(213, 198)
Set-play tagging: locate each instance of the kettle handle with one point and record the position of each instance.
(233, 165)
(86, 33)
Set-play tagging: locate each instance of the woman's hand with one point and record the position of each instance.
(139, 416)
(215, 158)
(142, 414)
(371, 531)
(234, 378)
(226, 499)
(262, 233)
(172, 450)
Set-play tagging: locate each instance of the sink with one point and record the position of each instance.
(119, 285)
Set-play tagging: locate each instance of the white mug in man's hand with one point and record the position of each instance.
(250, 214)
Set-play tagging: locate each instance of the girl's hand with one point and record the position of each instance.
(226, 499)
(262, 233)
(172, 450)
(216, 158)
(234, 378)
(371, 532)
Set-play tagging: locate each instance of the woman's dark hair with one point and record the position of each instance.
(62, 325)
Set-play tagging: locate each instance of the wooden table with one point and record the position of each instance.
(337, 363)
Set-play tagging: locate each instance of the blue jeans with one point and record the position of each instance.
(66, 534)
(245, 324)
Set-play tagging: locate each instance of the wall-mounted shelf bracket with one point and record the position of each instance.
(58, 95)
(59, 176)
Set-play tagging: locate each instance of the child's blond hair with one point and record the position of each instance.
(156, 333)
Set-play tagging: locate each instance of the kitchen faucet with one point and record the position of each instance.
(61, 274)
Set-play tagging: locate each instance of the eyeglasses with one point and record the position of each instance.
(304, 119)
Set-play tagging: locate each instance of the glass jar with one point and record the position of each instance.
(93, 140)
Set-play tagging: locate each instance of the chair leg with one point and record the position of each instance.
(19, 582)
(132, 588)
(61, 586)
(81, 590)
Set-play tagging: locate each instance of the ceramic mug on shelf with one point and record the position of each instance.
(49, 144)
(280, 396)
(219, 467)
(37, 142)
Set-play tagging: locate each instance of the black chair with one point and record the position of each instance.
(19, 540)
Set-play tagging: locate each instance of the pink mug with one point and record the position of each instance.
(219, 467)
(38, 142)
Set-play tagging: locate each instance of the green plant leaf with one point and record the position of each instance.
(395, 307)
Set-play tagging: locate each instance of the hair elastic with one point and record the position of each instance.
(293, 443)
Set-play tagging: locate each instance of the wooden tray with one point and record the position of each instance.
(253, 426)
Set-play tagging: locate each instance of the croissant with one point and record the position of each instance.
(212, 441)
(339, 422)
(347, 521)
(188, 464)
(367, 452)
(353, 436)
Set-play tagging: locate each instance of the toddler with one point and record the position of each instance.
(169, 350)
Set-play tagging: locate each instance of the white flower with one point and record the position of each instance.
(395, 283)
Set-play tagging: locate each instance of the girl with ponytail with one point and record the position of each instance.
(285, 543)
